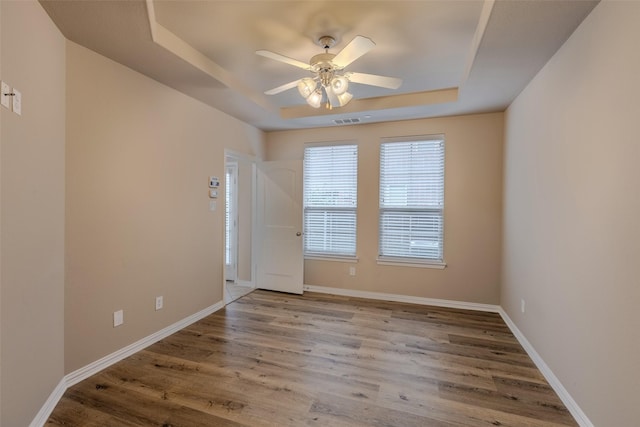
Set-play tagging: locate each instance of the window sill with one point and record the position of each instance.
(409, 262)
(335, 258)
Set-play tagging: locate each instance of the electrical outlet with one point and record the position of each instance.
(522, 305)
(352, 271)
(17, 101)
(118, 318)
(5, 98)
(159, 303)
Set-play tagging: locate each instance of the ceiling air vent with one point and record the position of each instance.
(346, 121)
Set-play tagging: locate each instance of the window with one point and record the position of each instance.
(330, 200)
(412, 200)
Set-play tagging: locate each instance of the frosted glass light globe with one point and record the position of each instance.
(315, 99)
(340, 84)
(306, 87)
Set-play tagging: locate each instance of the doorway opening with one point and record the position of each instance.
(231, 221)
(239, 192)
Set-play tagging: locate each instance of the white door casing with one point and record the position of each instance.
(279, 200)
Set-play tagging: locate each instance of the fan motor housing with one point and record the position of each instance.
(322, 61)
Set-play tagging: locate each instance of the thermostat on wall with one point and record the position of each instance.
(214, 182)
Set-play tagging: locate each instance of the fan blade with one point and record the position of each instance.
(282, 88)
(374, 80)
(354, 50)
(282, 58)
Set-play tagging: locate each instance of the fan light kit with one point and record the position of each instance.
(329, 79)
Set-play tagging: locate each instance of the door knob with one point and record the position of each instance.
(298, 234)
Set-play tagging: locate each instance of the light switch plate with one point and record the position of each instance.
(118, 318)
(4, 98)
(17, 102)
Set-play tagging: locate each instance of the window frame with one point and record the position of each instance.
(330, 256)
(410, 261)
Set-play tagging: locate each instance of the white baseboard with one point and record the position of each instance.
(97, 366)
(575, 410)
(403, 298)
(43, 414)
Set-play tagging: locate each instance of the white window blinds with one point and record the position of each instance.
(330, 200)
(412, 199)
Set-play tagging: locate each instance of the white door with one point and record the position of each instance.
(280, 259)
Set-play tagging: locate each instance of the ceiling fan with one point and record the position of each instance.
(330, 79)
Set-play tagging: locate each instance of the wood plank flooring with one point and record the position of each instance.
(272, 359)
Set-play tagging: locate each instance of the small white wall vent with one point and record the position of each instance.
(346, 121)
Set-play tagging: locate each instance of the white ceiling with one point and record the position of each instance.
(455, 57)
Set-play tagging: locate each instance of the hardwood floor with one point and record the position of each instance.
(272, 359)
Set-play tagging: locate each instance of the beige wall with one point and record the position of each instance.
(473, 209)
(138, 219)
(32, 219)
(572, 205)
